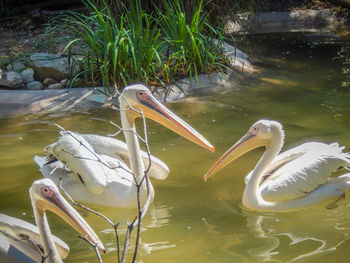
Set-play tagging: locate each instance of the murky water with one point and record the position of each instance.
(304, 85)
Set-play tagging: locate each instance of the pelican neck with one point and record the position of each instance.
(252, 198)
(50, 250)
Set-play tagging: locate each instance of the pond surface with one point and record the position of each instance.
(304, 85)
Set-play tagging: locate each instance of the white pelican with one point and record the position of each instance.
(294, 179)
(96, 171)
(23, 242)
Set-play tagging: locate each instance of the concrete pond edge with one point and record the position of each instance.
(16, 102)
(309, 20)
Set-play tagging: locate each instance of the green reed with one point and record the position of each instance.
(136, 46)
(192, 48)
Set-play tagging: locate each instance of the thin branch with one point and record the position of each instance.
(84, 207)
(98, 255)
(115, 226)
(26, 238)
(136, 222)
(144, 210)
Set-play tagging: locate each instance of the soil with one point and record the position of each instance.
(20, 36)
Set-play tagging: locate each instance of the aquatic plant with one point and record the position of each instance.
(114, 51)
(190, 48)
(135, 46)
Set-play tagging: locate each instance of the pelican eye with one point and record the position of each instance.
(142, 95)
(254, 130)
(46, 190)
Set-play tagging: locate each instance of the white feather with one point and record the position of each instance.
(299, 176)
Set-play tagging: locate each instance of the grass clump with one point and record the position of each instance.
(191, 48)
(136, 46)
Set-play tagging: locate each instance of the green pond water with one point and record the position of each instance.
(304, 84)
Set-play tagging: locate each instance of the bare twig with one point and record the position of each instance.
(142, 210)
(98, 255)
(115, 226)
(25, 238)
(84, 207)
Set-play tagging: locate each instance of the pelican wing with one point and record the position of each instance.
(279, 161)
(56, 171)
(119, 150)
(24, 236)
(79, 156)
(311, 165)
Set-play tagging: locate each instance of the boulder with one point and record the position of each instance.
(49, 81)
(35, 85)
(47, 65)
(16, 66)
(11, 80)
(27, 75)
(55, 86)
(237, 59)
(65, 82)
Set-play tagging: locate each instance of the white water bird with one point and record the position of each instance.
(295, 179)
(97, 172)
(21, 241)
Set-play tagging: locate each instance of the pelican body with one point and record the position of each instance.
(295, 179)
(104, 171)
(23, 242)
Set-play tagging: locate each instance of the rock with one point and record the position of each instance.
(237, 59)
(16, 66)
(27, 75)
(0, 73)
(35, 85)
(171, 93)
(11, 80)
(213, 83)
(49, 81)
(55, 86)
(65, 81)
(207, 84)
(47, 65)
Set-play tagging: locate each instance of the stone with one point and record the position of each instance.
(35, 85)
(171, 93)
(47, 65)
(65, 82)
(11, 80)
(49, 81)
(237, 59)
(27, 75)
(16, 66)
(55, 86)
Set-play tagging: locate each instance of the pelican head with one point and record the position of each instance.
(259, 134)
(45, 196)
(140, 99)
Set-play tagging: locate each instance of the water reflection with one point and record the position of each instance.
(265, 252)
(298, 237)
(157, 217)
